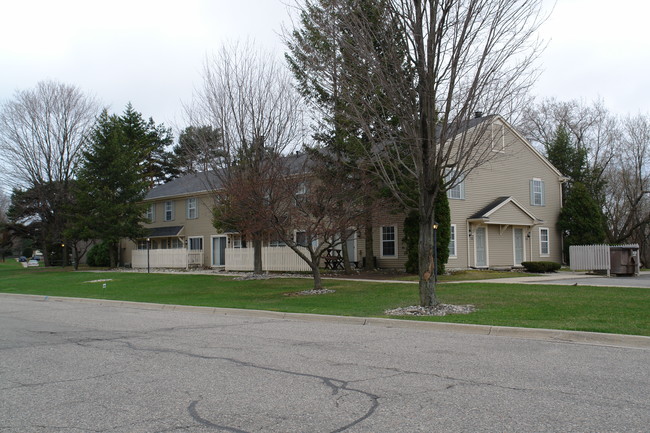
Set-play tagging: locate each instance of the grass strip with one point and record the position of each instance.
(598, 309)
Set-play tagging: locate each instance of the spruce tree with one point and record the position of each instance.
(443, 235)
(112, 182)
(581, 220)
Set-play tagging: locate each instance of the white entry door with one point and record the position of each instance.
(352, 247)
(519, 246)
(219, 251)
(481, 247)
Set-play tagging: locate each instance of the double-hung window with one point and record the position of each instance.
(150, 213)
(537, 192)
(544, 247)
(169, 210)
(389, 241)
(192, 208)
(301, 192)
(457, 192)
(452, 241)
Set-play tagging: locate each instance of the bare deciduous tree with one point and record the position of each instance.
(591, 128)
(627, 191)
(42, 134)
(314, 211)
(246, 96)
(415, 97)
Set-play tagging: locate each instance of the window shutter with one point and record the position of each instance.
(543, 193)
(532, 192)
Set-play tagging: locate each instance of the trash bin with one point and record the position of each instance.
(624, 260)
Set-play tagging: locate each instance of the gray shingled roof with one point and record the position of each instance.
(486, 210)
(188, 184)
(165, 232)
(208, 181)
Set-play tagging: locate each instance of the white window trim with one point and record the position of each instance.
(542, 201)
(189, 243)
(460, 185)
(171, 210)
(454, 239)
(381, 242)
(195, 208)
(548, 242)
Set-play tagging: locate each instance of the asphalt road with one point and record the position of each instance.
(86, 367)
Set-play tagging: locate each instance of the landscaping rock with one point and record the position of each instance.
(438, 310)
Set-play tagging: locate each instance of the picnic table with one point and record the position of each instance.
(334, 259)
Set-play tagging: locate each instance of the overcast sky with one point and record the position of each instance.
(150, 52)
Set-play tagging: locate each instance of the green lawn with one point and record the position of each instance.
(601, 309)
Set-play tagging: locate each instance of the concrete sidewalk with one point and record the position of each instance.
(559, 278)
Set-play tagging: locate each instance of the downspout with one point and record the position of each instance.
(467, 236)
(563, 180)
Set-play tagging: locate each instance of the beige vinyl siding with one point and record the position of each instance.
(508, 174)
(385, 218)
(194, 227)
(510, 214)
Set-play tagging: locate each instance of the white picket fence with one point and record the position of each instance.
(282, 259)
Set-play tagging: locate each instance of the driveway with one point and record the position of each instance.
(579, 278)
(92, 366)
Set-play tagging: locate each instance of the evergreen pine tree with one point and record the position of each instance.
(443, 235)
(581, 220)
(112, 182)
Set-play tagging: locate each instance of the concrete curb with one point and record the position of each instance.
(553, 335)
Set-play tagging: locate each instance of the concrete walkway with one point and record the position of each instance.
(565, 278)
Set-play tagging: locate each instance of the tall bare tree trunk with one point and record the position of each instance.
(369, 265)
(315, 272)
(426, 265)
(257, 256)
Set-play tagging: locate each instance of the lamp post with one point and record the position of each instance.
(148, 245)
(62, 255)
(435, 252)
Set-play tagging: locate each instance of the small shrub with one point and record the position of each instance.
(541, 267)
(98, 255)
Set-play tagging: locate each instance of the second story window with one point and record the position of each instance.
(457, 192)
(192, 208)
(537, 192)
(301, 192)
(150, 214)
(169, 210)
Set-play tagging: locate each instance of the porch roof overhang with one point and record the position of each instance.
(505, 211)
(165, 232)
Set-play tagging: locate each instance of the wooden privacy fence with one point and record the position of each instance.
(273, 259)
(618, 259)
